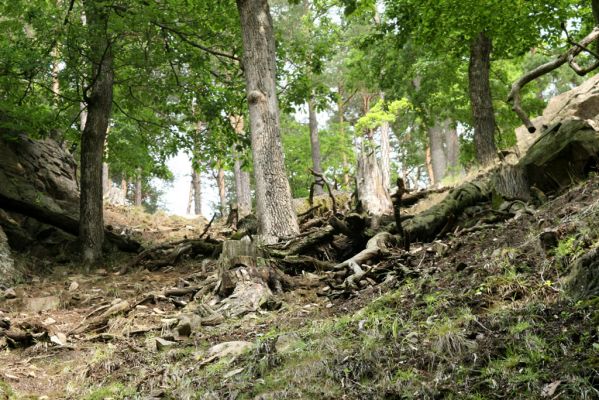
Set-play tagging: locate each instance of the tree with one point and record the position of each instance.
(308, 40)
(274, 206)
(99, 106)
(503, 29)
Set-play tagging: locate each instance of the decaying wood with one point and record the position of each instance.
(171, 253)
(320, 177)
(429, 224)
(99, 322)
(511, 183)
(409, 199)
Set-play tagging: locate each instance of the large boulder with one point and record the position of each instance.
(38, 172)
(563, 154)
(582, 102)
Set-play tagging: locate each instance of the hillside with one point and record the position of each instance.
(480, 314)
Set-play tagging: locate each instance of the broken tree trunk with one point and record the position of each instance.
(372, 194)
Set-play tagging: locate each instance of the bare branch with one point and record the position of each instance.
(515, 98)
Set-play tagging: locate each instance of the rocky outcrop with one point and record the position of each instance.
(38, 172)
(562, 155)
(39, 199)
(565, 150)
(581, 102)
(7, 264)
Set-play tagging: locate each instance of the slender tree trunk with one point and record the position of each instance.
(242, 178)
(190, 198)
(385, 155)
(595, 8)
(452, 145)
(138, 191)
(436, 137)
(222, 194)
(481, 101)
(124, 190)
(197, 192)
(428, 160)
(385, 152)
(276, 216)
(346, 180)
(106, 183)
(99, 106)
(315, 146)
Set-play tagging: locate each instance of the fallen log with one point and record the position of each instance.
(429, 224)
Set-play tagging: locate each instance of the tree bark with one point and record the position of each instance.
(242, 178)
(595, 8)
(429, 166)
(99, 106)
(483, 116)
(385, 153)
(372, 194)
(222, 194)
(315, 146)
(346, 179)
(124, 190)
(190, 199)
(436, 136)
(276, 216)
(452, 146)
(138, 190)
(196, 183)
(106, 183)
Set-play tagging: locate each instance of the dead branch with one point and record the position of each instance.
(323, 180)
(515, 98)
(208, 226)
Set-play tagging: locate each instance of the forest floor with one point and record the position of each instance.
(479, 315)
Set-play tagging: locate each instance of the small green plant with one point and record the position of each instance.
(568, 248)
(113, 391)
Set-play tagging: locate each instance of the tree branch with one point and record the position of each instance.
(184, 37)
(515, 97)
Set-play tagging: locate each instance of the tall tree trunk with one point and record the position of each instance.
(99, 106)
(452, 145)
(222, 194)
(124, 190)
(315, 146)
(595, 8)
(106, 183)
(190, 198)
(276, 216)
(483, 115)
(138, 191)
(346, 180)
(385, 152)
(197, 192)
(242, 178)
(436, 137)
(385, 155)
(429, 166)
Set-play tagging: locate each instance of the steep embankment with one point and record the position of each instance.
(481, 314)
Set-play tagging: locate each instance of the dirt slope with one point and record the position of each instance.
(481, 314)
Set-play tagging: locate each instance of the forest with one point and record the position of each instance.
(386, 199)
